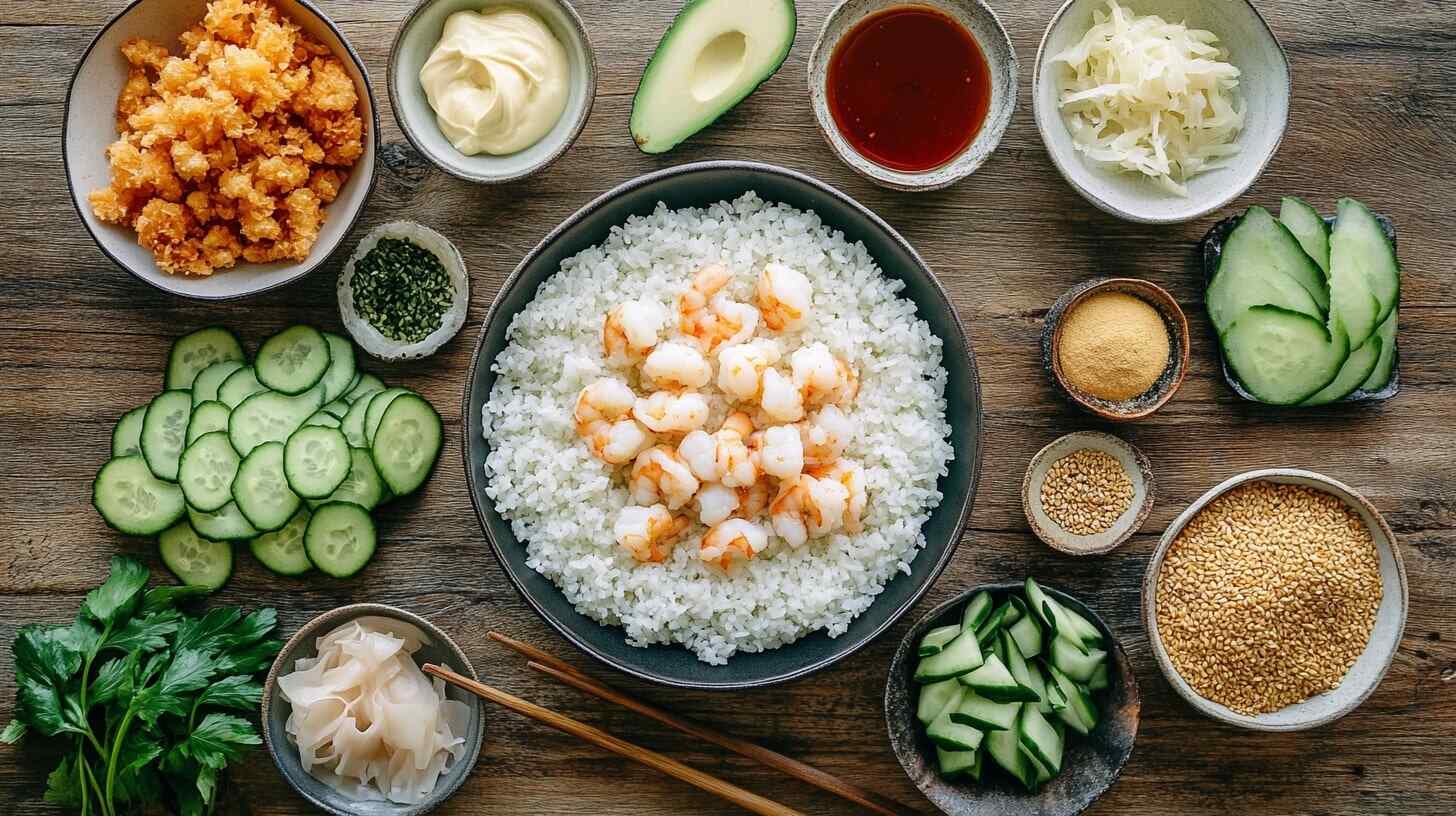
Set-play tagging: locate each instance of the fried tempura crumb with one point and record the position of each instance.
(230, 151)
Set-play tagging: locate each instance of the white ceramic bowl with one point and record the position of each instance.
(89, 127)
(412, 46)
(1369, 669)
(1138, 470)
(995, 45)
(1265, 86)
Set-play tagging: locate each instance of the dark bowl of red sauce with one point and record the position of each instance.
(914, 96)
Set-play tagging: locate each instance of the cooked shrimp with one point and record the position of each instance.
(753, 499)
(723, 456)
(692, 305)
(648, 532)
(659, 474)
(668, 412)
(677, 366)
(603, 419)
(619, 442)
(710, 317)
(781, 400)
(606, 400)
(824, 435)
(807, 509)
(732, 541)
(781, 452)
(784, 297)
(821, 377)
(851, 475)
(741, 367)
(631, 331)
(716, 503)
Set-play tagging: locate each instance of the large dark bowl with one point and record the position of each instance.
(697, 185)
(1090, 765)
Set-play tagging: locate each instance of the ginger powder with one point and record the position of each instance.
(1114, 346)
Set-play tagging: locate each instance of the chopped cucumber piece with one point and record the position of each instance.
(374, 414)
(1051, 696)
(239, 385)
(986, 715)
(195, 560)
(198, 350)
(336, 409)
(210, 379)
(164, 432)
(323, 419)
(977, 611)
(367, 384)
(133, 500)
(126, 437)
(261, 490)
(952, 764)
(206, 473)
(1027, 634)
(1058, 619)
(1363, 268)
(1039, 739)
(362, 486)
(994, 682)
(339, 376)
(953, 736)
(1100, 680)
(207, 417)
(1004, 748)
(961, 656)
(1385, 366)
(1080, 714)
(934, 641)
(316, 461)
(1016, 664)
(270, 417)
(353, 423)
(340, 539)
(293, 360)
(227, 524)
(933, 699)
(407, 443)
(986, 633)
(1307, 227)
(1357, 369)
(1284, 357)
(282, 550)
(1252, 272)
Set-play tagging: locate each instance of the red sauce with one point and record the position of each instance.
(909, 88)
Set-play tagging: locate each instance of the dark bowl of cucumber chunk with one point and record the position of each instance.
(1012, 699)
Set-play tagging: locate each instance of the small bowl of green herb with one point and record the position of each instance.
(405, 292)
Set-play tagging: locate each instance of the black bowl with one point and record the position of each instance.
(1090, 765)
(697, 185)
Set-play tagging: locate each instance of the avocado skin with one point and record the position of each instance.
(664, 43)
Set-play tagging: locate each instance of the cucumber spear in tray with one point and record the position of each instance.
(285, 454)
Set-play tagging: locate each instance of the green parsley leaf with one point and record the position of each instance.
(63, 786)
(252, 629)
(250, 659)
(115, 600)
(114, 680)
(238, 691)
(160, 599)
(189, 671)
(45, 653)
(38, 704)
(218, 740)
(208, 631)
(147, 633)
(13, 733)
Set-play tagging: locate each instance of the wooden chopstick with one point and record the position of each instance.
(745, 799)
(546, 664)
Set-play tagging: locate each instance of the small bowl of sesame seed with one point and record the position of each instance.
(1087, 493)
(1276, 601)
(405, 292)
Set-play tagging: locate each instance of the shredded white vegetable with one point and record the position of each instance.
(1150, 96)
(366, 720)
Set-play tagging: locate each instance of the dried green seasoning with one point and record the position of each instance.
(402, 290)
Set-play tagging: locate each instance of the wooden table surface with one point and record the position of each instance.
(1373, 117)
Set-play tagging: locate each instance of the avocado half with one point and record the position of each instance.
(715, 53)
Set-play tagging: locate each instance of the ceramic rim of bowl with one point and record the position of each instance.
(470, 424)
(579, 125)
(372, 120)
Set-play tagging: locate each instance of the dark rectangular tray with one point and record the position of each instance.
(1212, 249)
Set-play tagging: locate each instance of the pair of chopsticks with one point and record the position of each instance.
(546, 664)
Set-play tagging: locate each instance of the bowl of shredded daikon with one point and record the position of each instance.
(1160, 111)
(354, 724)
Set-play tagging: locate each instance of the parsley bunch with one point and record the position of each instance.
(140, 690)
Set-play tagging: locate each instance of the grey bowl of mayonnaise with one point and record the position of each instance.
(492, 91)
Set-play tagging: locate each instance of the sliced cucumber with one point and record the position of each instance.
(367, 384)
(293, 360)
(239, 385)
(994, 682)
(961, 656)
(340, 539)
(1280, 252)
(353, 422)
(1253, 271)
(210, 379)
(261, 490)
(1004, 748)
(1051, 696)
(1101, 679)
(1074, 663)
(1016, 664)
(336, 409)
(207, 471)
(164, 432)
(953, 736)
(194, 352)
(133, 500)
(1080, 714)
(207, 417)
(195, 561)
(933, 699)
(977, 610)
(934, 641)
(986, 715)
(952, 764)
(1284, 357)
(374, 414)
(1027, 634)
(1385, 366)
(988, 629)
(323, 419)
(1357, 369)
(227, 524)
(282, 550)
(1039, 739)
(270, 417)
(407, 443)
(1359, 248)
(1307, 227)
(340, 374)
(126, 437)
(316, 461)
(362, 486)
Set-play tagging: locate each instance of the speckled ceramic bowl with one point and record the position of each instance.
(1090, 764)
(418, 36)
(984, 26)
(1168, 383)
(1052, 534)
(1369, 669)
(437, 647)
(1265, 84)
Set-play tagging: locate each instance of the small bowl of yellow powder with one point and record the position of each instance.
(1087, 493)
(1117, 347)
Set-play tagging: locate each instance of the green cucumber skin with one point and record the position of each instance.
(1335, 372)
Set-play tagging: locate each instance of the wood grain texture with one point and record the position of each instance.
(1374, 116)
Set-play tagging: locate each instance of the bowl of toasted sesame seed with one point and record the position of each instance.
(1276, 601)
(1087, 493)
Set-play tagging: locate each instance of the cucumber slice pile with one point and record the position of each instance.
(289, 453)
(1306, 313)
(1007, 682)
